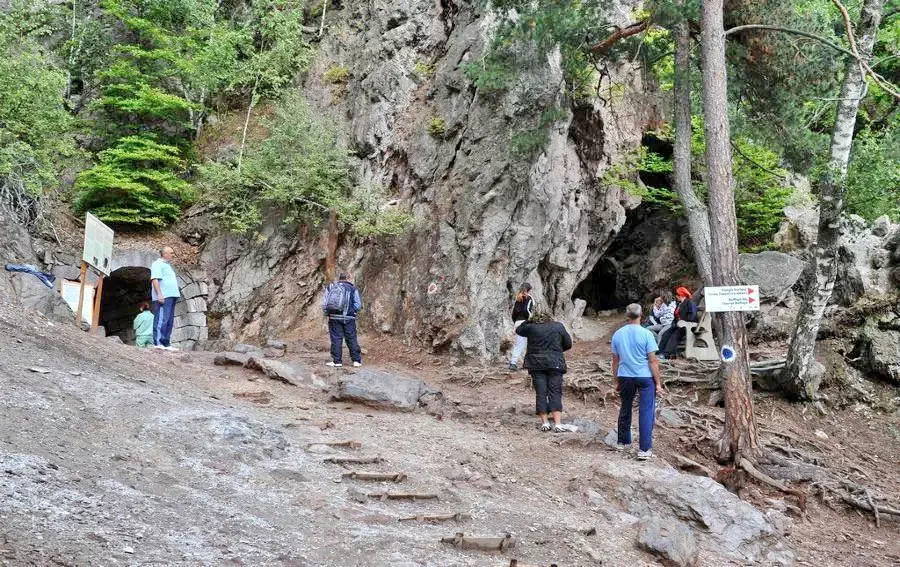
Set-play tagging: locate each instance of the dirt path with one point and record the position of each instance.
(114, 456)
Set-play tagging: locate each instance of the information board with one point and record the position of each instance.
(98, 244)
(69, 291)
(732, 298)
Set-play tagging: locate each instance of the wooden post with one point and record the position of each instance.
(98, 293)
(82, 279)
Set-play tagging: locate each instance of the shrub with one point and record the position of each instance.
(336, 75)
(136, 183)
(437, 127)
(302, 171)
(424, 70)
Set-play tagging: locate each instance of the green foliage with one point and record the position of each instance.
(300, 170)
(35, 128)
(491, 73)
(424, 70)
(336, 74)
(135, 183)
(873, 178)
(437, 127)
(760, 195)
(529, 142)
(33, 121)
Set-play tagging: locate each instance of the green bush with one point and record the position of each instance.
(873, 178)
(529, 143)
(336, 75)
(424, 70)
(437, 127)
(135, 183)
(34, 124)
(302, 171)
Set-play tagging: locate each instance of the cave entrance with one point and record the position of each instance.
(600, 288)
(123, 291)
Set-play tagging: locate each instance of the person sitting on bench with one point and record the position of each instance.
(685, 311)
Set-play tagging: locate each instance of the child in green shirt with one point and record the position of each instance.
(143, 326)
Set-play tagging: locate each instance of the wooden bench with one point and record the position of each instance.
(699, 343)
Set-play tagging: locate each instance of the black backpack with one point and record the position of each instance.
(337, 298)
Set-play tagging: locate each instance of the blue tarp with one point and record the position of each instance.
(46, 278)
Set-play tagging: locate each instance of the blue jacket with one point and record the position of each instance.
(355, 302)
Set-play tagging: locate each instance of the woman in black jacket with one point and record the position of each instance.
(686, 310)
(547, 340)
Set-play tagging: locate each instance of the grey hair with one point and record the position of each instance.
(162, 251)
(633, 311)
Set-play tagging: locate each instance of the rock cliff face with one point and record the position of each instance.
(486, 219)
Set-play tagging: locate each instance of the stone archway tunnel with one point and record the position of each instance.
(128, 284)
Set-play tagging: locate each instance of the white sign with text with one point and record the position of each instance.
(732, 298)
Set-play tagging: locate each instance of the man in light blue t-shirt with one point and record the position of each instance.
(636, 370)
(164, 291)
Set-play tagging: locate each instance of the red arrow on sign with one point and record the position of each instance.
(749, 291)
(750, 300)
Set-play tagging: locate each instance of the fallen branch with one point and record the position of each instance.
(480, 543)
(402, 496)
(353, 460)
(345, 444)
(392, 477)
(456, 517)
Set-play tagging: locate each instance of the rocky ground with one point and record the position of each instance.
(114, 456)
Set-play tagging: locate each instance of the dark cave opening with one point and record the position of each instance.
(123, 291)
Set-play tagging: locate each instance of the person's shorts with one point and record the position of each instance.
(144, 341)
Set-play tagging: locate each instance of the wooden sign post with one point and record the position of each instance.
(98, 248)
(82, 280)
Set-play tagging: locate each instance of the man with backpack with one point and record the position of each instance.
(341, 305)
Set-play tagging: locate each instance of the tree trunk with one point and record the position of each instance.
(739, 437)
(797, 380)
(694, 209)
(250, 106)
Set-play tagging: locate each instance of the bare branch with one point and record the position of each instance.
(620, 33)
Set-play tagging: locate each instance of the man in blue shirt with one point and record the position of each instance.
(165, 292)
(636, 370)
(341, 305)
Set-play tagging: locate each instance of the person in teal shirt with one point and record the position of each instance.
(143, 326)
(164, 291)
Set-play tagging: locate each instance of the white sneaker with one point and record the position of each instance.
(357, 364)
(174, 349)
(621, 447)
(159, 347)
(334, 365)
(545, 426)
(644, 455)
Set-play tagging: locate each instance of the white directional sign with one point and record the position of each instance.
(732, 298)
(98, 244)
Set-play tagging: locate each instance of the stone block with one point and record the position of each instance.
(383, 389)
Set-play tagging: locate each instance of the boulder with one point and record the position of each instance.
(800, 230)
(774, 272)
(244, 348)
(878, 348)
(283, 372)
(724, 523)
(33, 294)
(671, 539)
(231, 359)
(384, 389)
